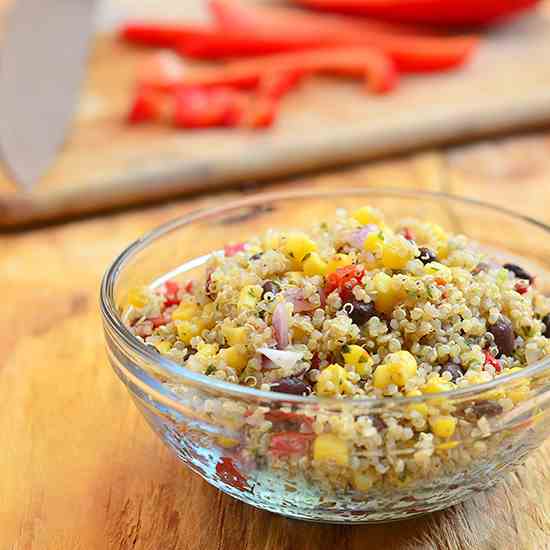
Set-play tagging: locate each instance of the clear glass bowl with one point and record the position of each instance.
(222, 431)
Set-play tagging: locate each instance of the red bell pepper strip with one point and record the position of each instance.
(207, 108)
(265, 105)
(209, 42)
(364, 62)
(146, 106)
(448, 12)
(410, 51)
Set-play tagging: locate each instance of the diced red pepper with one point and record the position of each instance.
(197, 107)
(232, 249)
(490, 360)
(411, 50)
(344, 279)
(522, 287)
(146, 106)
(459, 12)
(229, 474)
(290, 443)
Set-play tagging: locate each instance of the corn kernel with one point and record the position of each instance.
(436, 384)
(420, 408)
(332, 381)
(235, 358)
(443, 426)
(227, 442)
(382, 377)
(298, 245)
(368, 214)
(314, 265)
(329, 448)
(521, 393)
(354, 354)
(207, 350)
(440, 240)
(163, 346)
(249, 297)
(374, 242)
(337, 261)
(234, 335)
(186, 311)
(138, 297)
(389, 293)
(187, 330)
(363, 481)
(397, 252)
(402, 365)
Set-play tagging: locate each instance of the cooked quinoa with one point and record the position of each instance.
(351, 309)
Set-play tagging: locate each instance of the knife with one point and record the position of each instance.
(42, 64)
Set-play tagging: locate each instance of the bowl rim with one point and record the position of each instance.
(113, 321)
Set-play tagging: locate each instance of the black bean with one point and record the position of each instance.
(518, 271)
(504, 336)
(546, 321)
(426, 255)
(293, 385)
(271, 287)
(378, 422)
(454, 370)
(256, 256)
(361, 312)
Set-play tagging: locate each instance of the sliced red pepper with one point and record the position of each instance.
(522, 287)
(172, 287)
(408, 234)
(264, 107)
(490, 360)
(344, 279)
(146, 106)
(459, 12)
(229, 474)
(158, 321)
(290, 443)
(410, 51)
(196, 107)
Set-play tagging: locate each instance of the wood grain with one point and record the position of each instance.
(81, 470)
(324, 124)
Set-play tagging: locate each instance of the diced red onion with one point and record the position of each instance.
(279, 358)
(357, 238)
(296, 297)
(280, 325)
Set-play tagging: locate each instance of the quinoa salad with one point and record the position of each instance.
(349, 309)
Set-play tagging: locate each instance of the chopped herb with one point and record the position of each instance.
(324, 226)
(306, 256)
(345, 349)
(381, 236)
(210, 369)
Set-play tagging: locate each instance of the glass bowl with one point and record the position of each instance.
(223, 431)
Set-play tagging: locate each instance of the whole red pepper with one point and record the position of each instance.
(448, 12)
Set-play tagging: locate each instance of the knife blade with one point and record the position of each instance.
(42, 64)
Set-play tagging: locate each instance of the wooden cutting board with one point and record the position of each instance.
(326, 123)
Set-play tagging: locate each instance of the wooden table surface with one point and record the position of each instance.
(80, 469)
